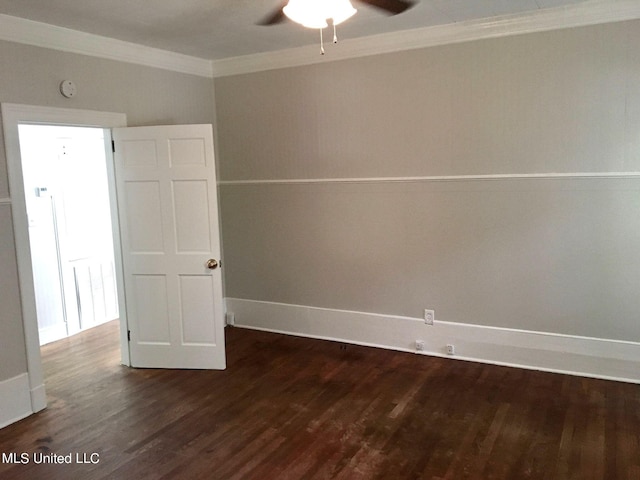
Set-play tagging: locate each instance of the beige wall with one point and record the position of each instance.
(555, 254)
(31, 75)
(13, 358)
(562, 101)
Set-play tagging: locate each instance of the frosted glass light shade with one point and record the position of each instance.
(341, 10)
(314, 13)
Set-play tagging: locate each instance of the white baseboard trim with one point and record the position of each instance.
(38, 398)
(52, 334)
(15, 399)
(582, 356)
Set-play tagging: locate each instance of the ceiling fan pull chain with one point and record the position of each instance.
(335, 36)
(321, 43)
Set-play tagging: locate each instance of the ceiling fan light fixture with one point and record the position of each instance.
(314, 13)
(342, 10)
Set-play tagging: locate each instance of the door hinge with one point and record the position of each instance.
(129, 335)
(113, 146)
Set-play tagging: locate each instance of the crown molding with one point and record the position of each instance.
(591, 12)
(20, 30)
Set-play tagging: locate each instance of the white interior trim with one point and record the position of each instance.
(52, 333)
(15, 399)
(20, 30)
(12, 116)
(125, 357)
(591, 12)
(441, 178)
(552, 352)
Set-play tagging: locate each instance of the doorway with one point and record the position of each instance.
(194, 284)
(14, 115)
(70, 236)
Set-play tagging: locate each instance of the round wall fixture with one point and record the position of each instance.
(68, 88)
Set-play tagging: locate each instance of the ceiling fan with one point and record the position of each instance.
(391, 7)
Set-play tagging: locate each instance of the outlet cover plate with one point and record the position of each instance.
(429, 316)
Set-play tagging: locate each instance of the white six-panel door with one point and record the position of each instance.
(168, 212)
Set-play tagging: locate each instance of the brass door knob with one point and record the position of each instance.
(212, 264)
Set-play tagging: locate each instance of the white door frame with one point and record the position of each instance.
(12, 116)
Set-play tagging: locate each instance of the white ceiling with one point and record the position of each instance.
(218, 29)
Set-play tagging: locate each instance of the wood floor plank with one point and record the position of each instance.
(295, 408)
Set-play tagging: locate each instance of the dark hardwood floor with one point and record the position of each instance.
(294, 408)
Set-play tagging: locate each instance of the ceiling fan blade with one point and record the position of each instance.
(394, 7)
(274, 18)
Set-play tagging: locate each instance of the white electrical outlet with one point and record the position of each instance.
(420, 345)
(451, 349)
(429, 316)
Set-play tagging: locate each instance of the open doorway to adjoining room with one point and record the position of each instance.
(70, 235)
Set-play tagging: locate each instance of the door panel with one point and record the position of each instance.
(167, 202)
(191, 205)
(144, 216)
(149, 307)
(193, 290)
